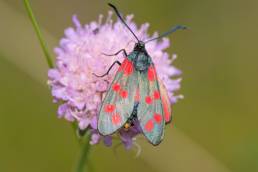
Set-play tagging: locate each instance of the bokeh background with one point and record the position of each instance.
(216, 122)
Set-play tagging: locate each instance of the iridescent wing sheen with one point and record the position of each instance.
(119, 101)
(150, 110)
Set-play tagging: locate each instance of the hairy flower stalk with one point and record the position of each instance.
(80, 55)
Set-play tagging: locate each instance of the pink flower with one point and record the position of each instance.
(79, 55)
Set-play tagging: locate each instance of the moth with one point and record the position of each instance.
(136, 93)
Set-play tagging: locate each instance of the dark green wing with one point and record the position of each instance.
(119, 101)
(150, 110)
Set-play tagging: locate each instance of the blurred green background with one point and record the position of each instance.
(216, 122)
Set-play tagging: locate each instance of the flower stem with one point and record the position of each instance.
(84, 152)
(38, 32)
(41, 40)
(85, 147)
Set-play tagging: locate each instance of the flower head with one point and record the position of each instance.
(80, 55)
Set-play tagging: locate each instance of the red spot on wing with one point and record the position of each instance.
(109, 108)
(151, 73)
(128, 70)
(122, 67)
(116, 87)
(148, 100)
(149, 126)
(157, 117)
(123, 93)
(137, 95)
(116, 119)
(156, 95)
(126, 67)
(165, 109)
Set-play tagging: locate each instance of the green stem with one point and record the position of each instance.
(85, 147)
(84, 152)
(38, 32)
(41, 40)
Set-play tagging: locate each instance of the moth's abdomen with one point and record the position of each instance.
(130, 121)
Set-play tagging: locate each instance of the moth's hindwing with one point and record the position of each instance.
(150, 110)
(119, 101)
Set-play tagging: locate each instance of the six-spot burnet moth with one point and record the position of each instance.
(136, 93)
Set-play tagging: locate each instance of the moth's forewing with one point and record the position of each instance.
(165, 102)
(118, 103)
(150, 111)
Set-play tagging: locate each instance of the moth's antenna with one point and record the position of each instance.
(173, 29)
(119, 16)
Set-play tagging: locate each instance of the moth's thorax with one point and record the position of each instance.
(140, 57)
(142, 61)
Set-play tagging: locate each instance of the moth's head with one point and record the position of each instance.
(139, 46)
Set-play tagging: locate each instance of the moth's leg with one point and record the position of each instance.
(122, 50)
(116, 62)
